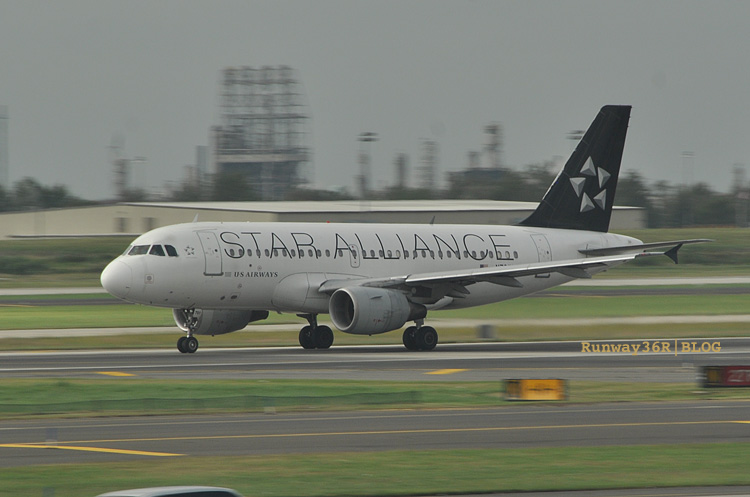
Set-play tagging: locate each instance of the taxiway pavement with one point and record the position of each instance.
(119, 439)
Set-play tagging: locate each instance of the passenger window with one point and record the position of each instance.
(157, 250)
(171, 251)
(139, 250)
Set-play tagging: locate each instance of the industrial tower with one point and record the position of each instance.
(263, 130)
(4, 173)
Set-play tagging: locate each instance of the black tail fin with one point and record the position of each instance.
(582, 194)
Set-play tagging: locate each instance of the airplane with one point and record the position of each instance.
(374, 278)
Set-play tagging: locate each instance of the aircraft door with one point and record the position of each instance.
(543, 251)
(354, 255)
(211, 252)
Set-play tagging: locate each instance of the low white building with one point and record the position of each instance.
(131, 219)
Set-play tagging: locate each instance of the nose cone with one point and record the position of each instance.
(117, 278)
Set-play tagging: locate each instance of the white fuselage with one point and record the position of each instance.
(280, 266)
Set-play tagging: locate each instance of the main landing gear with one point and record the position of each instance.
(314, 336)
(187, 345)
(420, 337)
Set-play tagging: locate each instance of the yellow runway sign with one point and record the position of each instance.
(536, 389)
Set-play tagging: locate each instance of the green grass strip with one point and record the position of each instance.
(403, 472)
(30, 316)
(22, 398)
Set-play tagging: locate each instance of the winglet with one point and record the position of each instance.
(672, 253)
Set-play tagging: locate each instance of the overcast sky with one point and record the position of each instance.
(75, 73)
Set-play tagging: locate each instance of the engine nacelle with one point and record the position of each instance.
(214, 322)
(363, 310)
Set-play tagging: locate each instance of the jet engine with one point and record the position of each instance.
(214, 322)
(368, 311)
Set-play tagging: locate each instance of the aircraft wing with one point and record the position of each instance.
(508, 275)
(502, 275)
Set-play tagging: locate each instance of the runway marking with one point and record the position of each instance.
(403, 432)
(447, 371)
(115, 373)
(91, 449)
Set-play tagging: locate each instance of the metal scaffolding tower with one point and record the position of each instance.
(4, 173)
(263, 129)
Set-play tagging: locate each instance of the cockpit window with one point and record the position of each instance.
(171, 251)
(157, 250)
(139, 250)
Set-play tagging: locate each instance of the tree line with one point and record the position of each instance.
(666, 205)
(30, 194)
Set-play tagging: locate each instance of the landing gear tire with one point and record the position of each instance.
(306, 338)
(426, 338)
(322, 337)
(410, 338)
(190, 345)
(181, 345)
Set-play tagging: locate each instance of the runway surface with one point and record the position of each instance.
(88, 440)
(573, 360)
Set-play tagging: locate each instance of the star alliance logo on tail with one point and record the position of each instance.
(589, 170)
